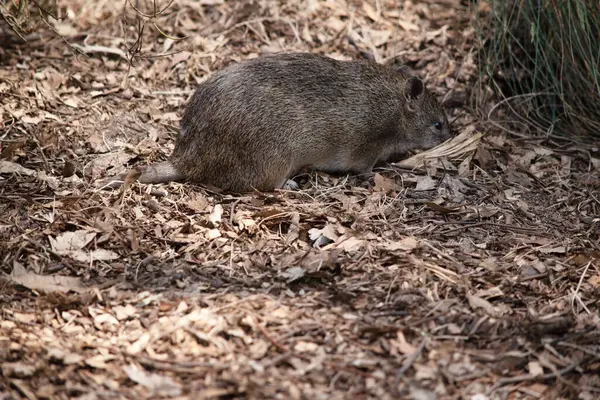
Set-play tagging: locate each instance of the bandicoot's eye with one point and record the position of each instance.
(438, 126)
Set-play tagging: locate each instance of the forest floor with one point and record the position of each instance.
(474, 278)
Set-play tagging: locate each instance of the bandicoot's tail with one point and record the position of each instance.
(160, 172)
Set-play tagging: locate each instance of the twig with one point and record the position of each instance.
(575, 294)
(410, 361)
(252, 21)
(467, 224)
(49, 25)
(274, 342)
(530, 378)
(180, 366)
(99, 49)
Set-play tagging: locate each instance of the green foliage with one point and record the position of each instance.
(545, 54)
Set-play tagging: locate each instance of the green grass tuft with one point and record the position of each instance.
(545, 55)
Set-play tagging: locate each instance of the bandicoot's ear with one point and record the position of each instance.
(414, 92)
(404, 69)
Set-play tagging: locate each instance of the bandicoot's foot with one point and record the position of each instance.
(290, 185)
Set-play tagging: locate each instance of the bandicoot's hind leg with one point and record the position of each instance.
(281, 177)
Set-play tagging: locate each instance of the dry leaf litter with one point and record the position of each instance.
(470, 275)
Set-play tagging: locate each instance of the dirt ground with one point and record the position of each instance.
(472, 277)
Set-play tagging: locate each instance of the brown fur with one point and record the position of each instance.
(253, 124)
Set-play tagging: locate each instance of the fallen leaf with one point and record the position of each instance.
(419, 393)
(109, 160)
(157, 384)
(477, 302)
(56, 354)
(90, 256)
(45, 283)
(24, 318)
(377, 38)
(139, 345)
(170, 116)
(216, 214)
(198, 203)
(124, 312)
(212, 234)
(535, 368)
(71, 240)
(350, 244)
(402, 345)
(305, 347)
(406, 244)
(370, 11)
(595, 280)
(538, 388)
(98, 143)
(104, 319)
(321, 237)
(425, 183)
(293, 274)
(179, 57)
(98, 361)
(8, 167)
(489, 293)
(72, 102)
(17, 370)
(258, 349)
(441, 209)
(465, 142)
(31, 120)
(408, 26)
(329, 232)
(384, 184)
(103, 255)
(335, 24)
(555, 250)
(65, 29)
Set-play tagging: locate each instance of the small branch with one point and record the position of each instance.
(410, 360)
(99, 49)
(532, 378)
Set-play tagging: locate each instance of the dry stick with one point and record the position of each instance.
(530, 378)
(575, 294)
(472, 225)
(62, 259)
(457, 73)
(276, 360)
(154, 14)
(252, 21)
(99, 49)
(274, 342)
(287, 352)
(409, 361)
(135, 49)
(347, 369)
(11, 21)
(580, 348)
(179, 366)
(232, 209)
(49, 25)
